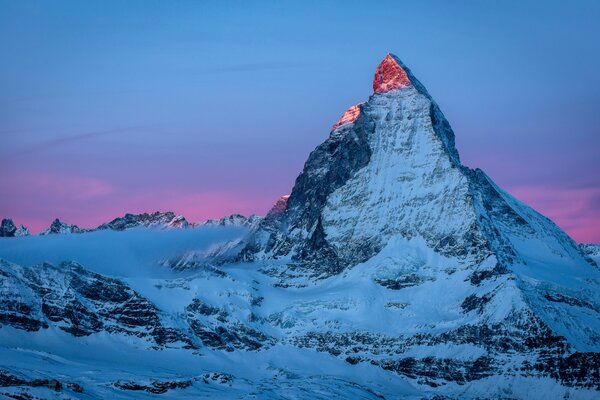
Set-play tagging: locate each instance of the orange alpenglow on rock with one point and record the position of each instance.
(279, 207)
(390, 76)
(349, 116)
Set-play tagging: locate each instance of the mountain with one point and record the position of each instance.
(387, 190)
(390, 271)
(156, 220)
(592, 251)
(393, 170)
(60, 228)
(160, 220)
(8, 229)
(234, 220)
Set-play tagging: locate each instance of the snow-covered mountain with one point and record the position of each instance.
(156, 220)
(9, 229)
(235, 220)
(57, 227)
(390, 271)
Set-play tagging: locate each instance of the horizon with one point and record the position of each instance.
(111, 109)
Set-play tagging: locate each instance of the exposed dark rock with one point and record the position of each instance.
(215, 329)
(7, 379)
(479, 276)
(217, 377)
(81, 303)
(156, 387)
(430, 369)
(401, 282)
(7, 228)
(560, 298)
(473, 302)
(75, 387)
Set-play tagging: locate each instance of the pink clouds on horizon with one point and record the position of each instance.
(36, 199)
(573, 209)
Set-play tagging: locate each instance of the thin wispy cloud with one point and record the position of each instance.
(68, 139)
(251, 67)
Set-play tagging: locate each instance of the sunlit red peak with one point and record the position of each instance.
(390, 76)
(279, 207)
(349, 116)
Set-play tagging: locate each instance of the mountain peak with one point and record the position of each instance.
(9, 229)
(390, 75)
(349, 116)
(279, 208)
(60, 228)
(157, 219)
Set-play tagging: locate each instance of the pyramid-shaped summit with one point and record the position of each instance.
(386, 193)
(390, 75)
(390, 169)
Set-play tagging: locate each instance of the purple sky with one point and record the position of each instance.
(207, 109)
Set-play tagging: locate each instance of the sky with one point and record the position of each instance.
(211, 108)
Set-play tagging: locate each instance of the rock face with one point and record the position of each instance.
(78, 302)
(8, 229)
(390, 75)
(348, 117)
(160, 220)
(60, 228)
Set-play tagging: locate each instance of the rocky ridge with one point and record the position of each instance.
(9, 229)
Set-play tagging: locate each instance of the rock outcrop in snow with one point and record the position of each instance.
(592, 251)
(9, 229)
(60, 228)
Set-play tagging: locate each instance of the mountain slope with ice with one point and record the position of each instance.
(391, 270)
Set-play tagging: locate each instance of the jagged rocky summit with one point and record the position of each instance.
(9, 229)
(390, 271)
(57, 227)
(161, 220)
(235, 220)
(156, 220)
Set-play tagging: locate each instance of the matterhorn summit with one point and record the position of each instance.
(390, 75)
(392, 170)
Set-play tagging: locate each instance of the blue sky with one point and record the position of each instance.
(209, 108)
